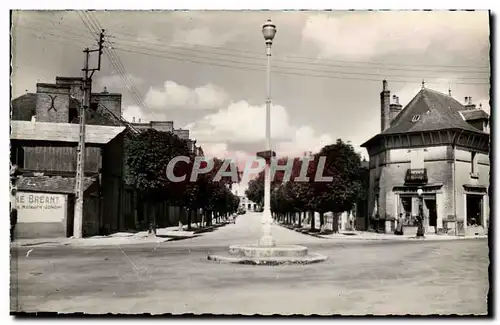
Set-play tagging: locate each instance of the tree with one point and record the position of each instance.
(148, 155)
(147, 158)
(255, 190)
(340, 194)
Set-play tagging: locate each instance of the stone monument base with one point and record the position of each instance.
(268, 255)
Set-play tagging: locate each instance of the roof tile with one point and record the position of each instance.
(476, 114)
(62, 132)
(437, 112)
(51, 184)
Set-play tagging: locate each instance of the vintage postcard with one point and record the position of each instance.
(250, 162)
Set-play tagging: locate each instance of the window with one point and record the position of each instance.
(17, 156)
(473, 164)
(408, 210)
(415, 118)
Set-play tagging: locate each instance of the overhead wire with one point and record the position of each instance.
(289, 59)
(250, 67)
(290, 70)
(114, 60)
(248, 52)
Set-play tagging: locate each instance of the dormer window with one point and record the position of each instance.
(415, 118)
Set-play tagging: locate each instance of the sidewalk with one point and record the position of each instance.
(112, 240)
(120, 238)
(367, 235)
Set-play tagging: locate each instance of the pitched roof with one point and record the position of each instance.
(24, 107)
(51, 184)
(437, 111)
(62, 132)
(475, 114)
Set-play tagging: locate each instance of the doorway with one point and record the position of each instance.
(406, 208)
(430, 204)
(474, 204)
(70, 216)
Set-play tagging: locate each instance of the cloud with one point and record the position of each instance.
(243, 123)
(362, 35)
(134, 112)
(173, 96)
(304, 139)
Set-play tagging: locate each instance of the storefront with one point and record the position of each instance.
(408, 202)
(41, 215)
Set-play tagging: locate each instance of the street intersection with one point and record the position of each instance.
(359, 277)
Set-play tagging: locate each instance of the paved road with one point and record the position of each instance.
(360, 278)
(248, 230)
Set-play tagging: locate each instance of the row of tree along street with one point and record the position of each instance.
(147, 156)
(294, 200)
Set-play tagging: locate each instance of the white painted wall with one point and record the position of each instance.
(41, 207)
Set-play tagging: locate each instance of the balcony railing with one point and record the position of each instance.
(416, 176)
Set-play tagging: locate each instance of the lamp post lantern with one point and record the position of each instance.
(265, 251)
(420, 229)
(269, 31)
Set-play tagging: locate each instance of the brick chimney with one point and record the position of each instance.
(75, 84)
(394, 108)
(75, 94)
(52, 103)
(181, 133)
(112, 101)
(164, 126)
(468, 103)
(385, 98)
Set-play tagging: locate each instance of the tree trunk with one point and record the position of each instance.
(300, 219)
(335, 223)
(313, 220)
(322, 221)
(140, 212)
(207, 218)
(190, 213)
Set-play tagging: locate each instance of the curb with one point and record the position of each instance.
(67, 242)
(393, 239)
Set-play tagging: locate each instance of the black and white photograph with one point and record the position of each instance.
(250, 162)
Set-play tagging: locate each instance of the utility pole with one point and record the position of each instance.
(80, 159)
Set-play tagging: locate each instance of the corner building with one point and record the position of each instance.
(436, 144)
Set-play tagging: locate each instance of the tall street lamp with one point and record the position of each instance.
(269, 31)
(420, 229)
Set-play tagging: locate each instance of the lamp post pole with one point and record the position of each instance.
(268, 30)
(420, 229)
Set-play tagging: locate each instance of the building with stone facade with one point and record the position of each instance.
(436, 144)
(44, 138)
(168, 126)
(246, 204)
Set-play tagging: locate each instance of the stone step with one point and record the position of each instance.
(259, 251)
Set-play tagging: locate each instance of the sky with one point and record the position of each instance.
(205, 70)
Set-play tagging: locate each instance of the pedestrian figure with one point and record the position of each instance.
(152, 228)
(399, 226)
(13, 222)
